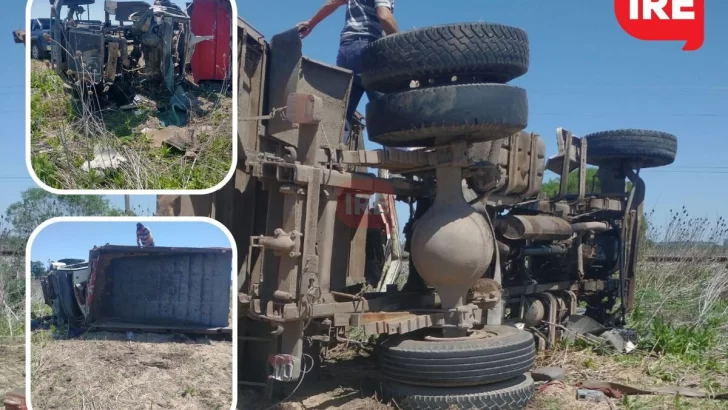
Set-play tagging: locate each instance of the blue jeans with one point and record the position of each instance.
(349, 57)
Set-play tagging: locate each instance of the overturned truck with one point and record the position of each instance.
(159, 289)
(496, 268)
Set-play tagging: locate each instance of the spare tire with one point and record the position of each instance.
(440, 115)
(483, 52)
(512, 394)
(506, 353)
(643, 148)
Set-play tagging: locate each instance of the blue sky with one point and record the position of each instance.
(586, 75)
(74, 239)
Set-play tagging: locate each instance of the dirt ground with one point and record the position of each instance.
(348, 381)
(12, 366)
(107, 370)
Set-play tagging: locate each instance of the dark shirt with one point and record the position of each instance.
(362, 20)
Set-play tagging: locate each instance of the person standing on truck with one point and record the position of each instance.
(366, 21)
(144, 236)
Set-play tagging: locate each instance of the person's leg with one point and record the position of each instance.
(349, 57)
(357, 91)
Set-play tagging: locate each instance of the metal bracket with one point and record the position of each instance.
(553, 306)
(572, 155)
(270, 116)
(282, 243)
(464, 316)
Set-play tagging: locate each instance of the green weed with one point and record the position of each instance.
(66, 132)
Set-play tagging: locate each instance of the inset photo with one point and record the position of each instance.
(129, 313)
(131, 95)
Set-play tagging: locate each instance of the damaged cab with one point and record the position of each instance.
(152, 39)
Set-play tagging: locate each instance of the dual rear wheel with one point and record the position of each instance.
(488, 370)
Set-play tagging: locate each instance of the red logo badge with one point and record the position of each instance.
(357, 204)
(666, 20)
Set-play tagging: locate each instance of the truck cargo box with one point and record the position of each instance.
(158, 288)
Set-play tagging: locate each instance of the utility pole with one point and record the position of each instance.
(127, 205)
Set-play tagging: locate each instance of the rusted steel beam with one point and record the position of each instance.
(354, 181)
(680, 258)
(402, 325)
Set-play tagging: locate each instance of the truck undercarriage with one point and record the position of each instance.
(489, 253)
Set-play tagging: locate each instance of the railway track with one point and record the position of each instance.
(679, 258)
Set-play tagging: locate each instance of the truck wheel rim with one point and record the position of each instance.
(472, 335)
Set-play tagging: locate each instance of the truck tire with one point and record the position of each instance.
(506, 354)
(440, 115)
(35, 52)
(512, 394)
(648, 149)
(485, 53)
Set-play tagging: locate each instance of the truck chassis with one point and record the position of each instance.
(303, 279)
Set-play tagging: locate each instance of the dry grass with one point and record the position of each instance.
(336, 399)
(103, 370)
(12, 286)
(697, 276)
(68, 131)
(12, 366)
(638, 369)
(12, 311)
(682, 305)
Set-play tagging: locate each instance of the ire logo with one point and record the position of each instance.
(355, 205)
(666, 20)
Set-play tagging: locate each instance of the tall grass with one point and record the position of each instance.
(71, 126)
(12, 286)
(681, 304)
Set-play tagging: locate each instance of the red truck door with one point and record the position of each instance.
(211, 60)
